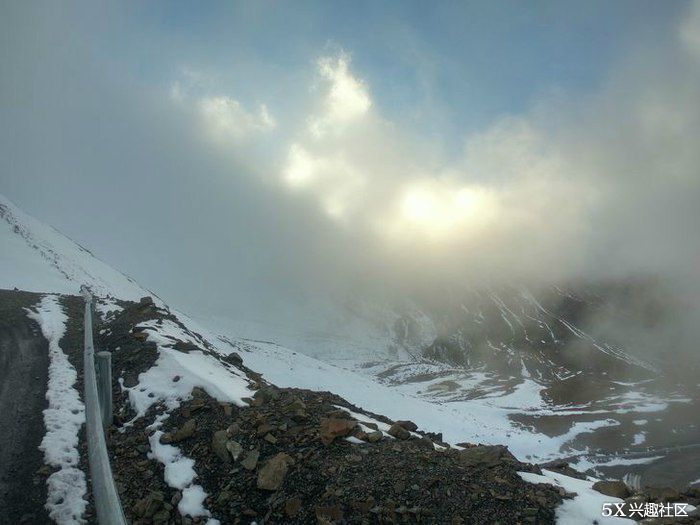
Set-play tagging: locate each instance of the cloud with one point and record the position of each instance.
(392, 189)
(541, 195)
(223, 118)
(314, 183)
(346, 98)
(226, 119)
(690, 29)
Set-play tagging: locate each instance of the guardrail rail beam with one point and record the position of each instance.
(107, 505)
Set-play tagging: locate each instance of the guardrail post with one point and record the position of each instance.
(103, 363)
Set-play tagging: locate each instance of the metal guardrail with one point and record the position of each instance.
(104, 492)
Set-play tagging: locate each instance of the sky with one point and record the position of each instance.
(249, 157)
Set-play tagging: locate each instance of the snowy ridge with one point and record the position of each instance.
(36, 257)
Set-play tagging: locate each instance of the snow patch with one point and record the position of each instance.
(585, 508)
(179, 474)
(106, 307)
(62, 419)
(191, 369)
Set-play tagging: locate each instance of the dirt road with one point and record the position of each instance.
(23, 379)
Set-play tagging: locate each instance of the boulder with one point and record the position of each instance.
(185, 431)
(332, 428)
(233, 359)
(329, 514)
(251, 460)
(140, 335)
(408, 425)
(150, 505)
(616, 489)
(218, 446)
(266, 393)
(485, 455)
(234, 448)
(271, 475)
(561, 466)
(146, 302)
(399, 432)
(292, 507)
(375, 436)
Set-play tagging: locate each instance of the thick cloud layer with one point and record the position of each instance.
(252, 190)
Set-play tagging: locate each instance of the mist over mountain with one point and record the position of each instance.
(270, 194)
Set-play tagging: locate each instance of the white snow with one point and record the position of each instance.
(640, 438)
(179, 470)
(192, 369)
(593, 463)
(106, 306)
(192, 502)
(179, 474)
(585, 508)
(63, 418)
(479, 420)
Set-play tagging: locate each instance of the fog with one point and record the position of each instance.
(261, 189)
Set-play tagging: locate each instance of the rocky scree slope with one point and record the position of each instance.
(287, 455)
(296, 456)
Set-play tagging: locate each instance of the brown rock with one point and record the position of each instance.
(218, 446)
(616, 489)
(295, 404)
(271, 475)
(251, 460)
(267, 393)
(234, 448)
(399, 432)
(485, 455)
(182, 433)
(146, 301)
(408, 425)
(292, 507)
(375, 436)
(264, 429)
(197, 404)
(149, 505)
(332, 428)
(328, 514)
(233, 358)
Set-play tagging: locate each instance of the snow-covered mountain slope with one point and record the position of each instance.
(36, 257)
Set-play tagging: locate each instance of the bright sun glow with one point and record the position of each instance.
(438, 210)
